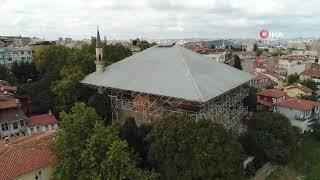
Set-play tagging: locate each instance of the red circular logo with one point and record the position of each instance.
(264, 34)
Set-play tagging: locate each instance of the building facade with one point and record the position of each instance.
(2, 53)
(12, 118)
(18, 54)
(42, 123)
(297, 90)
(267, 98)
(301, 113)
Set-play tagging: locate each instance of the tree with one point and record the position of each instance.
(145, 45)
(24, 71)
(78, 64)
(115, 53)
(310, 83)
(312, 97)
(270, 137)
(292, 78)
(4, 73)
(237, 62)
(135, 136)
(183, 148)
(86, 149)
(255, 48)
(71, 139)
(251, 100)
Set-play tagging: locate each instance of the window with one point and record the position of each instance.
(47, 128)
(31, 129)
(21, 123)
(15, 125)
(5, 127)
(22, 52)
(38, 128)
(23, 58)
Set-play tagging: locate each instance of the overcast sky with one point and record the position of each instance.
(124, 19)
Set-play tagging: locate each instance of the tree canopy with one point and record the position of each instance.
(86, 149)
(310, 83)
(237, 62)
(4, 73)
(185, 149)
(270, 137)
(292, 78)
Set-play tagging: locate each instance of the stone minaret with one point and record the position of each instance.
(99, 54)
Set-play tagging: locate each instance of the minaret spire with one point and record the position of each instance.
(99, 53)
(98, 43)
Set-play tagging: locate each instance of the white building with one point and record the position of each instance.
(2, 52)
(294, 64)
(42, 123)
(300, 112)
(18, 54)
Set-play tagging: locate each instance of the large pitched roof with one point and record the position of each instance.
(171, 71)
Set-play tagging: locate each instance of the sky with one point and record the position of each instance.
(159, 19)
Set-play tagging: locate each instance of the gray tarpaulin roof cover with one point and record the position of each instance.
(170, 71)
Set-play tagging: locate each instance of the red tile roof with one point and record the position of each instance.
(12, 103)
(25, 155)
(260, 63)
(44, 119)
(275, 93)
(295, 58)
(260, 76)
(311, 72)
(296, 103)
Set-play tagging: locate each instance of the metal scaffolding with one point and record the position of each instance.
(226, 109)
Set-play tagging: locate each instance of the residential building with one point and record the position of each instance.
(267, 98)
(300, 112)
(18, 54)
(26, 157)
(294, 63)
(42, 123)
(262, 81)
(2, 53)
(297, 90)
(219, 55)
(12, 118)
(246, 55)
(311, 73)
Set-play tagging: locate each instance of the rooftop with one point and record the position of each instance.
(301, 87)
(275, 93)
(7, 104)
(24, 154)
(43, 119)
(296, 103)
(170, 71)
(313, 72)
